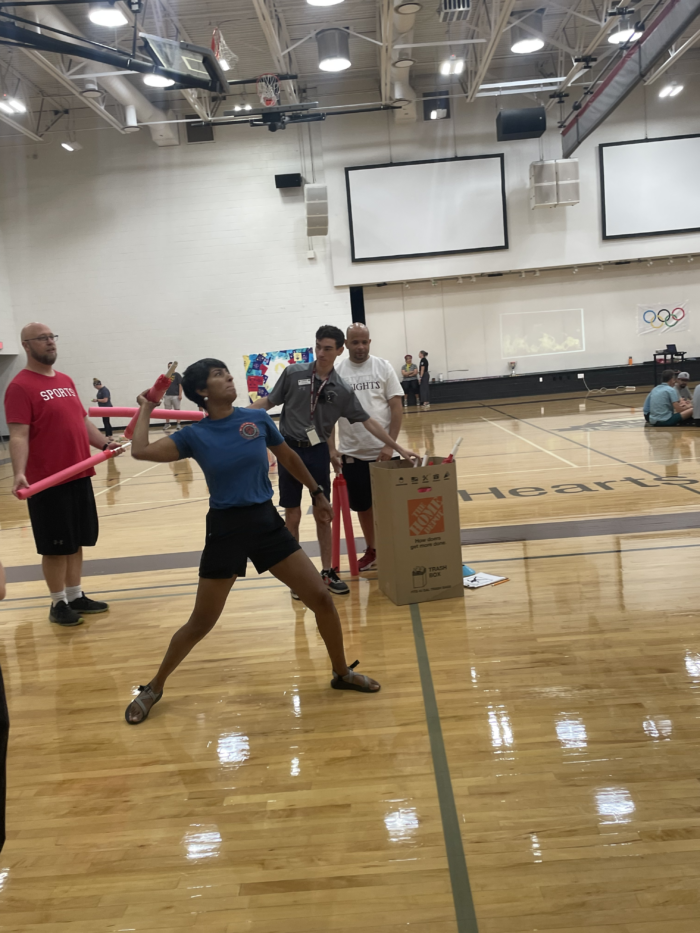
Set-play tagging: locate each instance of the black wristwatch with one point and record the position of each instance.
(318, 491)
(105, 446)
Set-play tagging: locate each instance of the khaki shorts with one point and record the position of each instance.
(171, 402)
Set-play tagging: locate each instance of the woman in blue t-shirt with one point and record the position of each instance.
(230, 445)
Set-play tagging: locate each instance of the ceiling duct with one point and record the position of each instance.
(120, 88)
(635, 64)
(404, 19)
(454, 11)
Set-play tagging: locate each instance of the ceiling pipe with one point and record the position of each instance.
(120, 88)
(402, 33)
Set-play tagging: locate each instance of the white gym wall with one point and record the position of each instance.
(136, 255)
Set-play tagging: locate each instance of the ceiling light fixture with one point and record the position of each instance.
(157, 81)
(106, 14)
(452, 66)
(71, 146)
(409, 8)
(404, 62)
(323, 2)
(625, 32)
(524, 43)
(671, 90)
(5, 107)
(17, 105)
(333, 49)
(247, 106)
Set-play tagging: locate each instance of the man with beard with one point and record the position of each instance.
(379, 391)
(49, 431)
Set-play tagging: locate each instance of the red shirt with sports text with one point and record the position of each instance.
(56, 418)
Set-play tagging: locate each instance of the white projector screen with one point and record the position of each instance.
(427, 208)
(650, 186)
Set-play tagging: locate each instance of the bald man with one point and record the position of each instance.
(379, 392)
(49, 431)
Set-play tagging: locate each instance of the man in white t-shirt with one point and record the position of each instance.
(379, 392)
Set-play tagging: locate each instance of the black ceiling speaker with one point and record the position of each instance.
(527, 123)
(292, 180)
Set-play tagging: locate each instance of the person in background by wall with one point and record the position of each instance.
(409, 381)
(4, 733)
(665, 408)
(173, 398)
(103, 397)
(377, 387)
(682, 386)
(424, 377)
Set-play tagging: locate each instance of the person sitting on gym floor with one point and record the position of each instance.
(664, 407)
(682, 386)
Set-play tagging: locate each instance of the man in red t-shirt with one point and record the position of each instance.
(49, 431)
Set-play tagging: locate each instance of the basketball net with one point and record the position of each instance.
(268, 88)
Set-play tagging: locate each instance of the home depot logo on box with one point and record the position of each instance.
(425, 516)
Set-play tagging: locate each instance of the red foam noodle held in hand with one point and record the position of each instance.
(158, 414)
(57, 478)
(154, 394)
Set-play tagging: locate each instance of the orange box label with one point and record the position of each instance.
(425, 516)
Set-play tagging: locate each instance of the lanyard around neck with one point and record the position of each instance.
(314, 394)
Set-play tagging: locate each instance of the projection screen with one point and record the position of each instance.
(427, 208)
(650, 186)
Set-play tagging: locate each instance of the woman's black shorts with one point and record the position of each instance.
(241, 532)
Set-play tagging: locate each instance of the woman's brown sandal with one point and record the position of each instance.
(146, 693)
(360, 682)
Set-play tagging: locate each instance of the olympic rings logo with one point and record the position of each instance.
(670, 319)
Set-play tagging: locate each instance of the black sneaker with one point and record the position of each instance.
(334, 583)
(62, 614)
(86, 606)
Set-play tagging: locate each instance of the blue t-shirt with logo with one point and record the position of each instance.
(661, 399)
(232, 453)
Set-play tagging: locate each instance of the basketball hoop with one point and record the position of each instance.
(268, 87)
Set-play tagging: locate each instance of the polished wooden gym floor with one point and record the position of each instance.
(257, 800)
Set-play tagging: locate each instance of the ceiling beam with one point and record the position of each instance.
(672, 59)
(70, 85)
(577, 68)
(22, 129)
(386, 55)
(278, 39)
(499, 24)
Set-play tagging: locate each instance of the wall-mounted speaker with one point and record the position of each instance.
(554, 182)
(527, 123)
(316, 200)
(292, 180)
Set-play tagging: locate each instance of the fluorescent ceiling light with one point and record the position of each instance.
(527, 46)
(439, 114)
(247, 106)
(452, 66)
(158, 81)
(671, 90)
(333, 49)
(16, 105)
(522, 83)
(323, 2)
(104, 14)
(6, 108)
(625, 32)
(71, 146)
(524, 43)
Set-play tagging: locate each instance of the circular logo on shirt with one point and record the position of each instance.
(249, 430)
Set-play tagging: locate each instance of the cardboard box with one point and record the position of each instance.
(416, 520)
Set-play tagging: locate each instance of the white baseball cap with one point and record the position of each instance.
(683, 376)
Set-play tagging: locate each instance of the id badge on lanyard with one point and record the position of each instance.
(311, 432)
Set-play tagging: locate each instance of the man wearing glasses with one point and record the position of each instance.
(49, 431)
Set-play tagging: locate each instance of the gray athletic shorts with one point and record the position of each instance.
(172, 402)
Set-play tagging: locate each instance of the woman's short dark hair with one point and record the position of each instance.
(196, 376)
(329, 332)
(424, 352)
